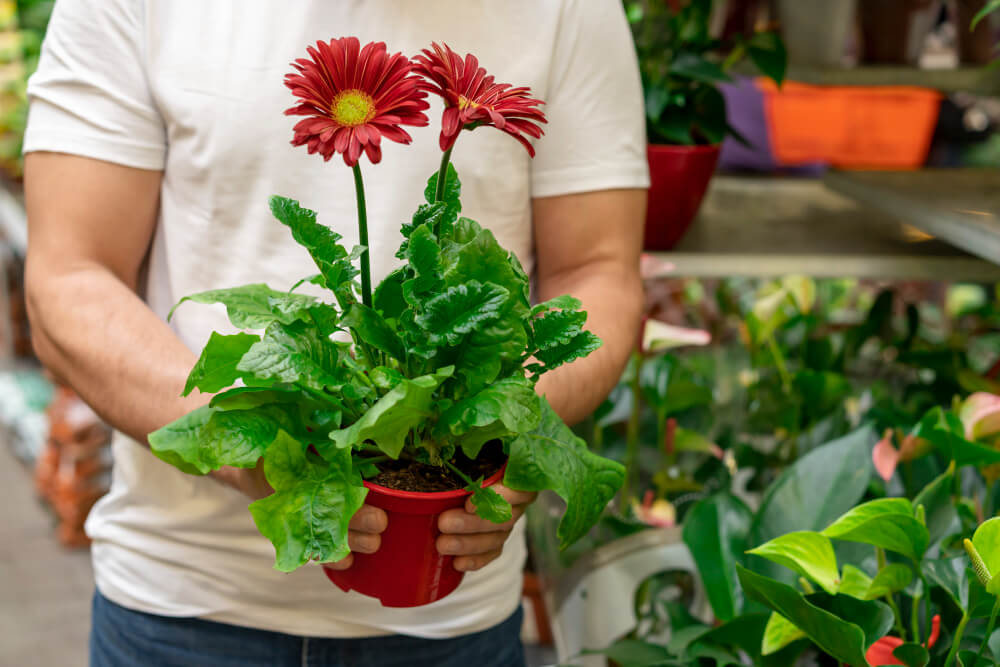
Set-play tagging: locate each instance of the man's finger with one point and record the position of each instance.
(341, 564)
(513, 497)
(462, 521)
(477, 562)
(363, 543)
(462, 545)
(369, 519)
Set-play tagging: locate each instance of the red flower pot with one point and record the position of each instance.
(679, 177)
(407, 570)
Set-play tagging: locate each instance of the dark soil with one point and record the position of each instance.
(413, 476)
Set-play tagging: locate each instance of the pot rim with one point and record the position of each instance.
(433, 495)
(674, 148)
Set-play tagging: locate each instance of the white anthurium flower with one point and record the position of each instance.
(651, 267)
(659, 336)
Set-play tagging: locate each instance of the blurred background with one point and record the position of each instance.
(822, 249)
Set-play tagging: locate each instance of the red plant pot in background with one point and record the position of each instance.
(679, 177)
(407, 570)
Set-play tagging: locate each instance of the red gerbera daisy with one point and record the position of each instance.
(353, 97)
(472, 98)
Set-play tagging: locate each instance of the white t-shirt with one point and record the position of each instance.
(195, 88)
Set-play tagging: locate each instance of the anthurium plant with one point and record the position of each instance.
(838, 567)
(682, 65)
(438, 360)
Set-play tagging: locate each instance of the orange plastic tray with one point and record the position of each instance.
(850, 127)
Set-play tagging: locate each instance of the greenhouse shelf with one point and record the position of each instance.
(976, 79)
(958, 206)
(763, 226)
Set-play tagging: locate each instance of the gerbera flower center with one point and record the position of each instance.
(465, 103)
(352, 107)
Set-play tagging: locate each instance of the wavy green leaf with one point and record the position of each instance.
(294, 354)
(322, 243)
(459, 310)
(507, 407)
(254, 306)
(372, 328)
(552, 457)
(307, 516)
(489, 504)
(452, 192)
(208, 438)
(388, 422)
(216, 367)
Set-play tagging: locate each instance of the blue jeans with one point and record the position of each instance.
(121, 637)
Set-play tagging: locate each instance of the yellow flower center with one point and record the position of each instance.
(464, 103)
(352, 107)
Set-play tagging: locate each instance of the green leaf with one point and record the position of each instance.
(807, 553)
(767, 51)
(634, 653)
(557, 327)
(987, 542)
(507, 407)
(743, 632)
(322, 243)
(715, 531)
(452, 192)
(986, 10)
(779, 633)
(216, 367)
(389, 421)
(551, 457)
(892, 578)
(423, 255)
(489, 504)
(817, 488)
(564, 302)
(461, 309)
(887, 523)
(295, 354)
(951, 574)
(944, 431)
(254, 306)
(207, 438)
(940, 513)
(578, 347)
(854, 582)
(695, 66)
(475, 254)
(388, 298)
(912, 655)
(246, 398)
(843, 640)
(370, 327)
(308, 515)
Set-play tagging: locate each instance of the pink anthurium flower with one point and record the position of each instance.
(886, 457)
(880, 653)
(656, 512)
(980, 414)
(651, 266)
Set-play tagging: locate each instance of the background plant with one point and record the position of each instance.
(682, 64)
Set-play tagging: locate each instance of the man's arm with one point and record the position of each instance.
(586, 245)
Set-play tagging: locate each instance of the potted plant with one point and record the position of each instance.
(428, 395)
(681, 65)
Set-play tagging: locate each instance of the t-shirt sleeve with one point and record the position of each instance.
(596, 135)
(90, 95)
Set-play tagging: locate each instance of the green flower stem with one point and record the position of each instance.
(989, 631)
(366, 269)
(443, 174)
(632, 437)
(956, 640)
(900, 628)
(915, 620)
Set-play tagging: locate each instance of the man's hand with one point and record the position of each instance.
(476, 542)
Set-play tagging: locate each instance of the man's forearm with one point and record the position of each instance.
(613, 300)
(95, 333)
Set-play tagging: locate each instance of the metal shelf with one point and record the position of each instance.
(761, 227)
(971, 79)
(958, 206)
